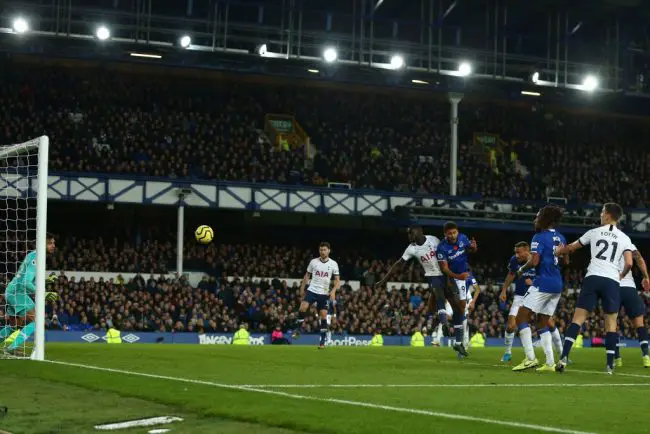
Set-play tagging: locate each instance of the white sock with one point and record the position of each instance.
(547, 345)
(526, 336)
(438, 333)
(557, 341)
(510, 338)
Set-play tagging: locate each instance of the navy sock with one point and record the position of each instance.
(642, 332)
(323, 331)
(299, 320)
(442, 312)
(611, 339)
(617, 351)
(569, 338)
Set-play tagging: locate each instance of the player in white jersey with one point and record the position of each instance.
(319, 275)
(609, 246)
(423, 249)
(634, 307)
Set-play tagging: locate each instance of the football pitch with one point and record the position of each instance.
(299, 389)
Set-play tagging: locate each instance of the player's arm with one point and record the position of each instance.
(396, 267)
(473, 246)
(510, 277)
(627, 266)
(532, 262)
(306, 278)
(640, 262)
(337, 285)
(444, 267)
(570, 248)
(477, 292)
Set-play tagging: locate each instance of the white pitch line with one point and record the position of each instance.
(440, 415)
(435, 386)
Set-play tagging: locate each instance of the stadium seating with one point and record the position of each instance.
(170, 127)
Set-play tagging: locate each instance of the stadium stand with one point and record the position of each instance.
(180, 128)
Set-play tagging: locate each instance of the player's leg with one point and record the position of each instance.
(511, 326)
(555, 335)
(611, 300)
(12, 320)
(642, 334)
(544, 315)
(307, 301)
(635, 310)
(23, 307)
(532, 302)
(457, 300)
(321, 305)
(586, 303)
(437, 296)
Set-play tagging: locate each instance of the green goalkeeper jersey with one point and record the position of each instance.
(25, 279)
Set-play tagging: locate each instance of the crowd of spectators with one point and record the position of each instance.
(169, 126)
(173, 305)
(232, 292)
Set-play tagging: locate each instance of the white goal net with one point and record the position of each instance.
(23, 211)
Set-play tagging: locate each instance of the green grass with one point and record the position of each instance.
(203, 385)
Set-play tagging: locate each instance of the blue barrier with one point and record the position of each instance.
(97, 337)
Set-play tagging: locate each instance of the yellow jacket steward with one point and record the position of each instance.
(417, 340)
(377, 341)
(477, 341)
(113, 336)
(579, 342)
(241, 337)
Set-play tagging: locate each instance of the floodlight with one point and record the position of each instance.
(102, 33)
(20, 25)
(185, 41)
(397, 61)
(330, 55)
(464, 69)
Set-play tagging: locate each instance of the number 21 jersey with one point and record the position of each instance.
(607, 244)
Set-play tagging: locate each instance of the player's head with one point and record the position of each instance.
(522, 251)
(50, 243)
(450, 229)
(324, 250)
(548, 217)
(611, 213)
(415, 233)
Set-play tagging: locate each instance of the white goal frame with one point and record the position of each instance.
(42, 144)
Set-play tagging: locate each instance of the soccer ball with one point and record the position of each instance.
(204, 234)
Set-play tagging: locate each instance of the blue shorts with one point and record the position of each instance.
(631, 302)
(320, 299)
(598, 287)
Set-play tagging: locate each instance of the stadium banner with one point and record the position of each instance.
(128, 337)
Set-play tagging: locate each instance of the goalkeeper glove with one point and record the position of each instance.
(51, 296)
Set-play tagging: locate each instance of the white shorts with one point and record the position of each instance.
(517, 300)
(462, 288)
(543, 303)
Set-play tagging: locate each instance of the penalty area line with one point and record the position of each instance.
(441, 415)
(435, 386)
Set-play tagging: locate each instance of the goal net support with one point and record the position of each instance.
(23, 210)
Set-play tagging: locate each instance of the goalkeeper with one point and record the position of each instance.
(20, 304)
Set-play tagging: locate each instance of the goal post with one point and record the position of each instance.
(23, 194)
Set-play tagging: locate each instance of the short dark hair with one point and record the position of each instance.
(49, 236)
(449, 225)
(614, 209)
(549, 216)
(325, 244)
(415, 226)
(521, 244)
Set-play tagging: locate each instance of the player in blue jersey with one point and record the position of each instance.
(452, 256)
(521, 256)
(20, 305)
(543, 296)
